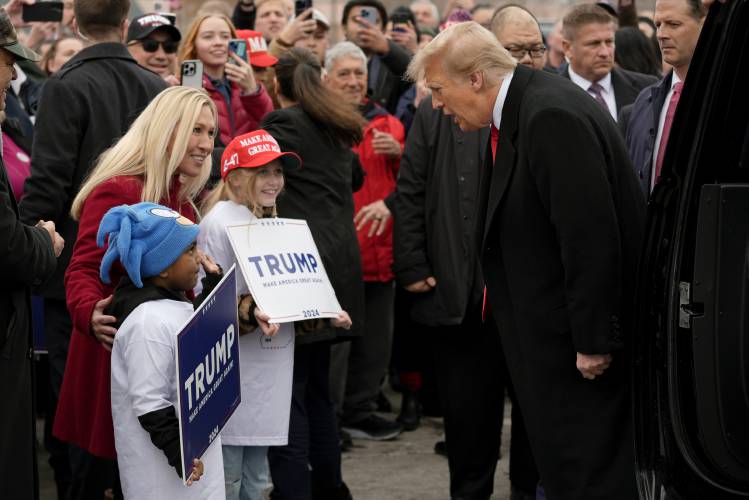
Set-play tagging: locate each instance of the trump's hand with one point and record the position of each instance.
(592, 365)
(422, 286)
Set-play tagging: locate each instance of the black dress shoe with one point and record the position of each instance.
(410, 414)
(340, 493)
(374, 428)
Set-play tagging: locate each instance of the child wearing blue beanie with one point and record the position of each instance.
(156, 246)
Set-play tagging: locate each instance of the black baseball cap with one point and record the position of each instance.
(144, 25)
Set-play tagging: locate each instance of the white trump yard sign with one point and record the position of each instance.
(283, 269)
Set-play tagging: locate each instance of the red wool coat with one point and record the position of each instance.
(382, 172)
(84, 412)
(248, 110)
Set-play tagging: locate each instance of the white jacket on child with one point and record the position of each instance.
(266, 363)
(144, 379)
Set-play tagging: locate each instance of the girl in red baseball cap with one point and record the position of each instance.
(252, 177)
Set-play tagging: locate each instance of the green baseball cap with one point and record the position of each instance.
(9, 40)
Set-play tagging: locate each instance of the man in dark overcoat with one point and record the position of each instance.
(83, 110)
(559, 244)
(27, 257)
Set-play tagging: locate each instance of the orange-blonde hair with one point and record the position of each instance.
(187, 50)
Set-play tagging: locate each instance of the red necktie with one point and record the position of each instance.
(495, 140)
(667, 128)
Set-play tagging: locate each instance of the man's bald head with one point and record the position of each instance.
(519, 32)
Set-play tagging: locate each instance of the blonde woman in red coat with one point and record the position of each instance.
(165, 157)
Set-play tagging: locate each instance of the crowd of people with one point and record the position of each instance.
(475, 187)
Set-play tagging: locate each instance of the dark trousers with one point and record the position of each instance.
(472, 379)
(523, 471)
(470, 382)
(57, 331)
(358, 367)
(92, 476)
(309, 466)
(412, 359)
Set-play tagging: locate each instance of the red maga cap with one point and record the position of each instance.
(258, 48)
(254, 150)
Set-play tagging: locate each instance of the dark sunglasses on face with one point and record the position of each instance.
(149, 45)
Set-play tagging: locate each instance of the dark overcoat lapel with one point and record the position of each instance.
(504, 165)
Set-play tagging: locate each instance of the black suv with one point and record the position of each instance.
(691, 350)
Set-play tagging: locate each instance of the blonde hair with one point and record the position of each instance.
(187, 48)
(223, 191)
(287, 5)
(143, 150)
(451, 46)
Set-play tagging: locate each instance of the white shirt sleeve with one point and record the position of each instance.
(213, 240)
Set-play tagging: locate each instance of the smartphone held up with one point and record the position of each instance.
(300, 6)
(192, 73)
(42, 12)
(238, 46)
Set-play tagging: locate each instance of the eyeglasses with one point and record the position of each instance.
(536, 52)
(150, 45)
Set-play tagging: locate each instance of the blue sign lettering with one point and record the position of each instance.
(292, 262)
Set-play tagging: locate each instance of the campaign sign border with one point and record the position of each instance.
(227, 286)
(278, 221)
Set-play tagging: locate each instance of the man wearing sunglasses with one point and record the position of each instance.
(153, 41)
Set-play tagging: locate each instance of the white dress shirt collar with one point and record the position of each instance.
(584, 84)
(605, 83)
(674, 80)
(499, 104)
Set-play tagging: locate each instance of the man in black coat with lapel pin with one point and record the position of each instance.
(560, 243)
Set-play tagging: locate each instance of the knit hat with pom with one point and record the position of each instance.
(146, 238)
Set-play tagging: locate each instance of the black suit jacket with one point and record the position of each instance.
(435, 218)
(561, 239)
(627, 85)
(84, 109)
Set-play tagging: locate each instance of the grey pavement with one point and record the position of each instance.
(408, 469)
(403, 469)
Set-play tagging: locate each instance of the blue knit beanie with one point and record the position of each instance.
(146, 237)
